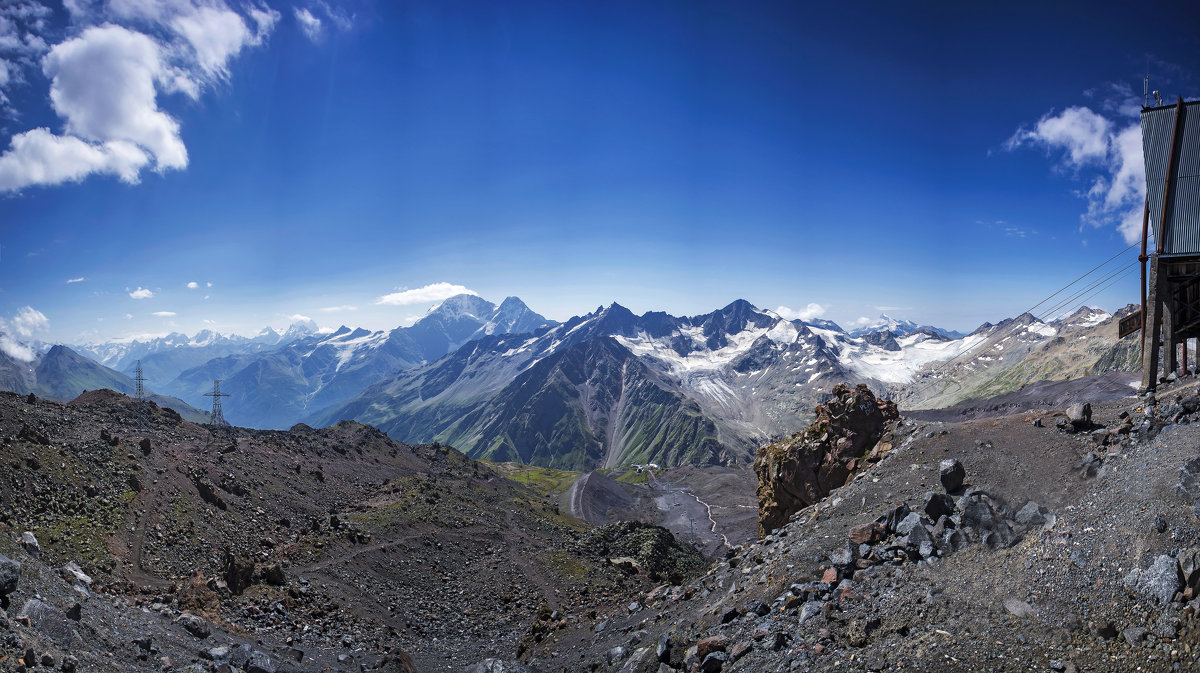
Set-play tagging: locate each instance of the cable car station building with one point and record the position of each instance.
(1171, 149)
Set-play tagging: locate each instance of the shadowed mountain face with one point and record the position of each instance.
(612, 388)
(63, 374)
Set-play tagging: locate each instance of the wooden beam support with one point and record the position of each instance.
(1151, 330)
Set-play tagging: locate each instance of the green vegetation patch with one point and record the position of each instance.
(545, 481)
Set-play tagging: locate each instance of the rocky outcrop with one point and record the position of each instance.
(851, 430)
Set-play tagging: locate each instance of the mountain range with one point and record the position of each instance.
(609, 388)
(63, 374)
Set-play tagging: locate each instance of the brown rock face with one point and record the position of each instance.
(850, 431)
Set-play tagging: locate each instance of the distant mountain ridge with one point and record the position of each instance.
(63, 374)
(276, 387)
(611, 388)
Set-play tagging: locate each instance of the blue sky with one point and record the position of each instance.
(946, 163)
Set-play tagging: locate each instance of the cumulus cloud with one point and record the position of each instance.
(163, 314)
(106, 79)
(140, 293)
(813, 310)
(22, 326)
(424, 295)
(297, 317)
(1104, 153)
(193, 285)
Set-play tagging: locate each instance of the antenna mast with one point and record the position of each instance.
(217, 418)
(139, 390)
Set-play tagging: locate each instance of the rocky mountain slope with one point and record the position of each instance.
(1040, 541)
(155, 544)
(611, 388)
(61, 373)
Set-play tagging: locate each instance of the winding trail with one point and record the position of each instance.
(708, 509)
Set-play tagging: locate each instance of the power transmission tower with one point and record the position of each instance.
(217, 418)
(139, 390)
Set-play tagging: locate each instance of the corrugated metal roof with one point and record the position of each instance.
(1182, 235)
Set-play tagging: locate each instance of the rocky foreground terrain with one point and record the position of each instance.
(1047, 540)
(134, 540)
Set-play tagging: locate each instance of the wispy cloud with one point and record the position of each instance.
(140, 293)
(812, 310)
(164, 314)
(424, 295)
(309, 25)
(76, 280)
(313, 26)
(1104, 151)
(885, 309)
(336, 309)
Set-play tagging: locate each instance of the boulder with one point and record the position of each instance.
(50, 621)
(499, 666)
(1160, 581)
(1030, 515)
(952, 474)
(1189, 568)
(1188, 487)
(1079, 415)
(797, 472)
(867, 533)
(938, 505)
(10, 574)
(30, 544)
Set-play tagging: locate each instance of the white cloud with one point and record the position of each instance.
(424, 295)
(39, 157)
(1111, 154)
(309, 24)
(1079, 131)
(76, 280)
(297, 317)
(862, 321)
(813, 310)
(140, 293)
(23, 325)
(129, 316)
(163, 314)
(334, 309)
(106, 78)
(29, 320)
(103, 84)
(313, 26)
(193, 285)
(208, 285)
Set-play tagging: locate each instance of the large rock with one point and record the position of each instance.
(1080, 415)
(1160, 581)
(30, 544)
(500, 666)
(50, 621)
(796, 472)
(952, 474)
(10, 574)
(1189, 480)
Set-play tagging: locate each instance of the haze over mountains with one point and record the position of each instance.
(605, 389)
